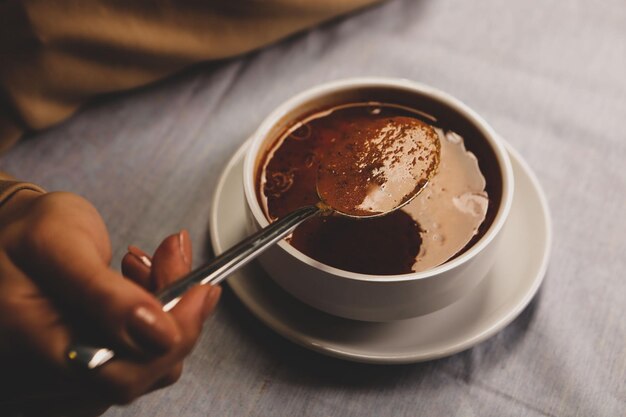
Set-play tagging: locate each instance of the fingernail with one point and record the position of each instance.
(210, 301)
(149, 333)
(141, 255)
(182, 237)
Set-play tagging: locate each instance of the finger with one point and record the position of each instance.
(123, 380)
(185, 244)
(211, 302)
(96, 297)
(136, 265)
(171, 260)
(35, 328)
(172, 376)
(38, 331)
(36, 363)
(190, 312)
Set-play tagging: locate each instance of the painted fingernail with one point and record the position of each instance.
(149, 333)
(183, 237)
(210, 301)
(141, 255)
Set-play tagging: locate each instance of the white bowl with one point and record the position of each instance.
(374, 297)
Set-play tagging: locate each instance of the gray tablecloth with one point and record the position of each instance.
(549, 75)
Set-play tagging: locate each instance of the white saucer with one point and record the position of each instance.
(492, 305)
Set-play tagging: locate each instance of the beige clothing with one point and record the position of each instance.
(9, 188)
(57, 54)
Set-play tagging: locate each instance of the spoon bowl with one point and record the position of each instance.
(378, 167)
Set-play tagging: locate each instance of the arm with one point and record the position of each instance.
(58, 54)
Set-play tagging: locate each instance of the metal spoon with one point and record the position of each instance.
(384, 168)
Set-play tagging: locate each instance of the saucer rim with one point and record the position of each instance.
(310, 342)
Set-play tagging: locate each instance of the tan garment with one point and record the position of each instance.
(9, 188)
(57, 54)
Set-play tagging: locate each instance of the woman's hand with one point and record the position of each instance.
(56, 287)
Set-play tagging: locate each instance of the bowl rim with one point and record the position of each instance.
(502, 157)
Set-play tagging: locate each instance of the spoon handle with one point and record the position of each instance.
(234, 258)
(211, 273)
